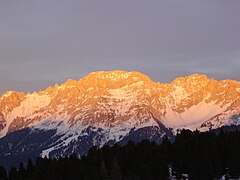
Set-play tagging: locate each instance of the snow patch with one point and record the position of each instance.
(45, 153)
(32, 103)
(193, 117)
(120, 94)
(234, 120)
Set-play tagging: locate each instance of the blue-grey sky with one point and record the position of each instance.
(43, 42)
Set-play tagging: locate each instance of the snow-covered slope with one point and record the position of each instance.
(111, 107)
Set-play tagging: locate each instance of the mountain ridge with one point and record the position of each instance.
(68, 82)
(118, 71)
(100, 81)
(113, 107)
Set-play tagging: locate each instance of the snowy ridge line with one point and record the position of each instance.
(127, 98)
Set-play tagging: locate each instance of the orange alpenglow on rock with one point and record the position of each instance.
(119, 101)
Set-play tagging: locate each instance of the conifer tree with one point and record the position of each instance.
(13, 173)
(3, 173)
(103, 171)
(116, 173)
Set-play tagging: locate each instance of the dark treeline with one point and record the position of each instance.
(208, 155)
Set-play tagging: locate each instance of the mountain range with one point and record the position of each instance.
(105, 108)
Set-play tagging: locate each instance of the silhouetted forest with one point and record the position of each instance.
(207, 155)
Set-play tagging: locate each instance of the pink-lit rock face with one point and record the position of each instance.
(118, 101)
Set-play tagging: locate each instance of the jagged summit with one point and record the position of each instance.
(191, 78)
(114, 107)
(118, 76)
(120, 91)
(123, 77)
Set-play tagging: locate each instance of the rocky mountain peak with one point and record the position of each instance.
(119, 96)
(117, 77)
(112, 107)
